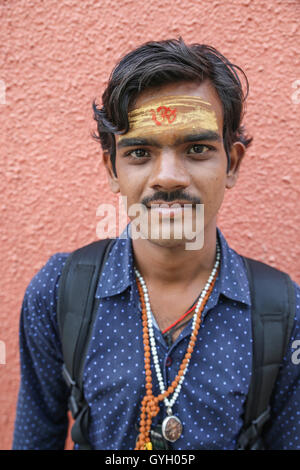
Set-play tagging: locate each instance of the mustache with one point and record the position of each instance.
(177, 195)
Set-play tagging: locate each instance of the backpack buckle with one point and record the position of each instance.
(68, 379)
(262, 419)
(75, 398)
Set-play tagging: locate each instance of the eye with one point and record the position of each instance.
(137, 153)
(199, 149)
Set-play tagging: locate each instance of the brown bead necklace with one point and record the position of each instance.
(171, 427)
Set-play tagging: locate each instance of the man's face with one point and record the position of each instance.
(174, 153)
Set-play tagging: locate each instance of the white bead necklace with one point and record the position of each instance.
(169, 403)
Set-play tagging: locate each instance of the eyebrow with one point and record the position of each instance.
(206, 135)
(134, 142)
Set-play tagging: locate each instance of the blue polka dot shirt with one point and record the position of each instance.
(210, 403)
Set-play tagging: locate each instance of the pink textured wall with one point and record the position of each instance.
(56, 57)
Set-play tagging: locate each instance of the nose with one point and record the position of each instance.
(169, 173)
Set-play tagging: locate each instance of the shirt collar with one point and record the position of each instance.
(118, 272)
(232, 279)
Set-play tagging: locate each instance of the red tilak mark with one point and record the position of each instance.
(165, 114)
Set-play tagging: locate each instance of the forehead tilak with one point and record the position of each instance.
(165, 112)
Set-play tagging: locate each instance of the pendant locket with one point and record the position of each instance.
(171, 427)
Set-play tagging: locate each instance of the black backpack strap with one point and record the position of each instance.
(273, 312)
(76, 310)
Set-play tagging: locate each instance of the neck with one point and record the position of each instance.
(168, 266)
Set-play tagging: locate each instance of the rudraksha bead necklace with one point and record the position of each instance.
(171, 426)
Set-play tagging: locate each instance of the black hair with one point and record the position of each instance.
(163, 62)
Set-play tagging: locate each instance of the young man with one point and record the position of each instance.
(171, 133)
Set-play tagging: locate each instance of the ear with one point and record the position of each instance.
(237, 153)
(112, 178)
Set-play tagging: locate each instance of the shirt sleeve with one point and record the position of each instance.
(283, 432)
(41, 417)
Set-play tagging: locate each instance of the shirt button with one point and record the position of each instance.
(168, 361)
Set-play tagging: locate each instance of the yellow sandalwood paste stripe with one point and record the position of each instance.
(179, 111)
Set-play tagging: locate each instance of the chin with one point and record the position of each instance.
(172, 244)
(173, 241)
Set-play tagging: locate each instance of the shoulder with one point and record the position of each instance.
(45, 281)
(274, 287)
(40, 299)
(291, 288)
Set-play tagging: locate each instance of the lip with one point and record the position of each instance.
(168, 209)
(167, 205)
